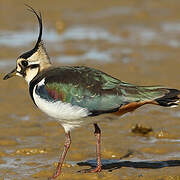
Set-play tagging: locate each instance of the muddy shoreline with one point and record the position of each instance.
(137, 42)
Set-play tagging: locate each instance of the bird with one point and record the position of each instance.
(76, 95)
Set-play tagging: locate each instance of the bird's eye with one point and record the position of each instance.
(24, 63)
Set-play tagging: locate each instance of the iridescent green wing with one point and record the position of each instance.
(94, 90)
(84, 87)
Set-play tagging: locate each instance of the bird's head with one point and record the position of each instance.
(30, 63)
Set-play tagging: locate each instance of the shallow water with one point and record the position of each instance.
(137, 42)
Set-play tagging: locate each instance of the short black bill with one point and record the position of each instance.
(9, 75)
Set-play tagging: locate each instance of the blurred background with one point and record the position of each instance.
(137, 41)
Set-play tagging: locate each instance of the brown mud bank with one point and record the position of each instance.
(31, 142)
(135, 41)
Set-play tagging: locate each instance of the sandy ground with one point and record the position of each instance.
(135, 41)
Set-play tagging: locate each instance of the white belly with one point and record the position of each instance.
(67, 114)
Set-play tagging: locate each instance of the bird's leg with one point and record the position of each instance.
(98, 168)
(97, 133)
(61, 160)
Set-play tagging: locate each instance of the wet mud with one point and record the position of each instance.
(135, 41)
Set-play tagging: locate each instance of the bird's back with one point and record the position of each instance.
(94, 90)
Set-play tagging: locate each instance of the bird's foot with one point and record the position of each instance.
(96, 170)
(56, 174)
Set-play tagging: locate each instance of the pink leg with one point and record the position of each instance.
(97, 133)
(61, 160)
(98, 168)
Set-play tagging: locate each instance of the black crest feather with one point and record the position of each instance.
(39, 17)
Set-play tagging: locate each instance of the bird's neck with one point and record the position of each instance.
(31, 74)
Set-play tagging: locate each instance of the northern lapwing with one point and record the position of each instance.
(70, 94)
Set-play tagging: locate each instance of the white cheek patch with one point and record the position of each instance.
(18, 68)
(30, 74)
